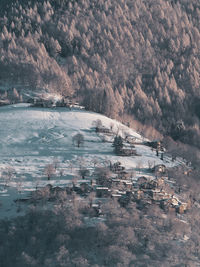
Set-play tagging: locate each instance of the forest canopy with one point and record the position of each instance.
(118, 57)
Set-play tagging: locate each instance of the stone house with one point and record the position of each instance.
(103, 192)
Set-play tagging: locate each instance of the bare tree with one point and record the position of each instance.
(97, 124)
(74, 181)
(139, 166)
(7, 174)
(106, 162)
(91, 198)
(70, 165)
(150, 164)
(37, 182)
(56, 163)
(19, 190)
(95, 161)
(111, 126)
(78, 139)
(103, 138)
(61, 172)
(120, 130)
(45, 194)
(50, 171)
(103, 176)
(81, 161)
(84, 172)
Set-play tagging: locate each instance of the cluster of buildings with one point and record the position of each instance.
(114, 181)
(50, 102)
(160, 191)
(144, 190)
(120, 185)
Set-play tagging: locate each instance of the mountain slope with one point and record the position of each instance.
(33, 138)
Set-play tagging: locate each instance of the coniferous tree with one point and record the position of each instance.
(118, 144)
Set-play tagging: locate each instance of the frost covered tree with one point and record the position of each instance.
(50, 170)
(78, 139)
(84, 172)
(8, 174)
(97, 124)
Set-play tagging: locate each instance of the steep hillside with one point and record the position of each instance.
(33, 139)
(68, 197)
(118, 57)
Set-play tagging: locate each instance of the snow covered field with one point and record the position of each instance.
(33, 137)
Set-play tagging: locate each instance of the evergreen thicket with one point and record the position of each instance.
(139, 58)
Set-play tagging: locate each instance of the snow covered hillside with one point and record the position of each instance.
(32, 138)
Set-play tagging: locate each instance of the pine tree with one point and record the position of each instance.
(118, 144)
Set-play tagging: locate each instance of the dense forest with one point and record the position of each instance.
(135, 58)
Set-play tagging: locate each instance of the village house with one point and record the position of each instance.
(156, 144)
(116, 183)
(103, 191)
(139, 194)
(183, 207)
(123, 175)
(116, 196)
(128, 185)
(122, 184)
(124, 200)
(85, 188)
(42, 102)
(122, 149)
(104, 181)
(159, 182)
(50, 102)
(160, 192)
(166, 205)
(116, 167)
(128, 150)
(92, 182)
(96, 209)
(103, 129)
(147, 185)
(141, 180)
(158, 195)
(121, 192)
